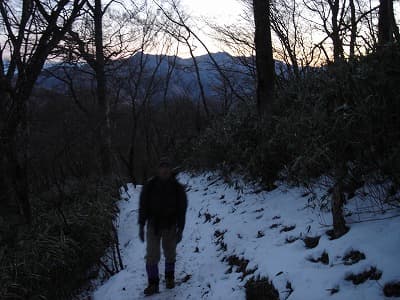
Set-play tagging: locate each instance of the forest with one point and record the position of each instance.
(94, 92)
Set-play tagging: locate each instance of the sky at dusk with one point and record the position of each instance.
(217, 11)
(228, 12)
(222, 10)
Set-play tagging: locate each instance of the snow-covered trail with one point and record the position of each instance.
(232, 234)
(198, 263)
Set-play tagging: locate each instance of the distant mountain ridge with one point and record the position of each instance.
(183, 80)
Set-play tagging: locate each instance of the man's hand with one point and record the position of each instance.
(141, 233)
(179, 233)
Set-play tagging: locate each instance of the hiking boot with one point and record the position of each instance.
(169, 277)
(152, 289)
(153, 279)
(169, 282)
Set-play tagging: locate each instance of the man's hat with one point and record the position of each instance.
(165, 162)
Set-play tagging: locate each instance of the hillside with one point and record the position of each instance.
(236, 232)
(183, 78)
(141, 67)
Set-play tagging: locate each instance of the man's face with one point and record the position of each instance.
(164, 172)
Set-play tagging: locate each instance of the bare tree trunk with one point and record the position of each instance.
(199, 82)
(103, 104)
(132, 152)
(19, 173)
(385, 25)
(353, 25)
(134, 94)
(339, 223)
(264, 59)
(170, 71)
(16, 134)
(338, 200)
(337, 43)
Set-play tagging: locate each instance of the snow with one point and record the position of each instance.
(252, 225)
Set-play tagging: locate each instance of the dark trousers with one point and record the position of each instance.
(166, 237)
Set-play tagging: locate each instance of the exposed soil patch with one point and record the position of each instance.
(275, 225)
(207, 217)
(289, 289)
(261, 289)
(184, 279)
(288, 228)
(371, 274)
(291, 239)
(353, 257)
(216, 220)
(324, 258)
(240, 264)
(311, 242)
(219, 235)
(334, 290)
(392, 289)
(260, 234)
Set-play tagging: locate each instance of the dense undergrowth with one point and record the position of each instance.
(340, 120)
(72, 228)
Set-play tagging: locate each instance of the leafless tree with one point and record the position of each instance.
(353, 27)
(30, 30)
(387, 23)
(264, 59)
(331, 14)
(176, 26)
(184, 32)
(97, 54)
(108, 33)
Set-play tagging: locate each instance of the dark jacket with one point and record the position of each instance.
(163, 203)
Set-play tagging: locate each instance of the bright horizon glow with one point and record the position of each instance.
(227, 12)
(216, 11)
(221, 10)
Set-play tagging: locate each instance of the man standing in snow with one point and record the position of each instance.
(162, 206)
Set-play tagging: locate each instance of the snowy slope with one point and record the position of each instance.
(235, 233)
